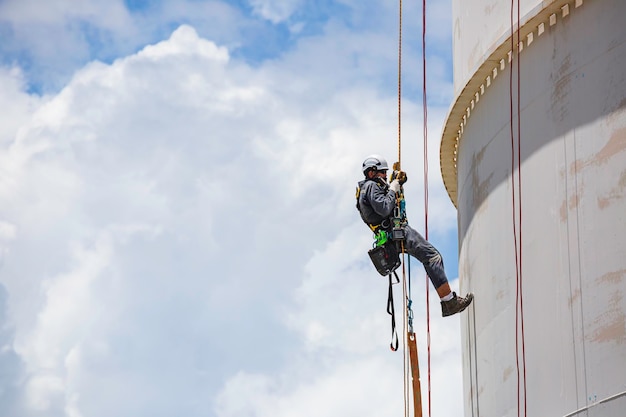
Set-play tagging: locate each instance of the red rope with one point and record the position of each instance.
(517, 215)
(514, 213)
(519, 193)
(425, 108)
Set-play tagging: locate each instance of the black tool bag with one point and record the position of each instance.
(385, 258)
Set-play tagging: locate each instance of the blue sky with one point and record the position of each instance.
(177, 224)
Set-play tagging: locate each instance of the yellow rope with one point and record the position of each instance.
(400, 85)
(405, 366)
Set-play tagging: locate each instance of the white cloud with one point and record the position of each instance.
(185, 223)
(110, 14)
(7, 231)
(16, 105)
(338, 390)
(185, 41)
(42, 390)
(275, 11)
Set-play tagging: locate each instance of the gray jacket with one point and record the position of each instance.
(375, 201)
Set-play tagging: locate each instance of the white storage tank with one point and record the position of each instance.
(542, 233)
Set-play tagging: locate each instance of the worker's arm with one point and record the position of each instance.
(382, 200)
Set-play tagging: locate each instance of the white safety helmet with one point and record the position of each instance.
(375, 162)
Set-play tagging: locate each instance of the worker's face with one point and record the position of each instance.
(381, 174)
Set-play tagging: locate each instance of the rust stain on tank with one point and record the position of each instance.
(563, 211)
(616, 193)
(562, 86)
(575, 297)
(612, 331)
(616, 144)
(569, 204)
(577, 166)
(507, 373)
(474, 56)
(477, 392)
(490, 8)
(614, 277)
(480, 188)
(611, 326)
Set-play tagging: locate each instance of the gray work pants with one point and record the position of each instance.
(418, 247)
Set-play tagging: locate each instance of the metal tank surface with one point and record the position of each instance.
(542, 243)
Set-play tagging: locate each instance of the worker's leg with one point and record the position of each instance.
(420, 248)
(429, 256)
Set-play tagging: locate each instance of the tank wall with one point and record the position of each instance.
(573, 225)
(477, 26)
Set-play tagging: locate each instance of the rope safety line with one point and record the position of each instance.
(405, 352)
(409, 346)
(412, 374)
(519, 193)
(404, 295)
(517, 215)
(400, 84)
(412, 346)
(425, 122)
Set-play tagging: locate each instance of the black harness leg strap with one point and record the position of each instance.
(391, 311)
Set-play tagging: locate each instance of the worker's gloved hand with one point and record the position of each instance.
(400, 176)
(395, 186)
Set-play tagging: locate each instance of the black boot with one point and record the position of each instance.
(456, 304)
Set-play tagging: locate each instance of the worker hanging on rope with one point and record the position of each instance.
(383, 212)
